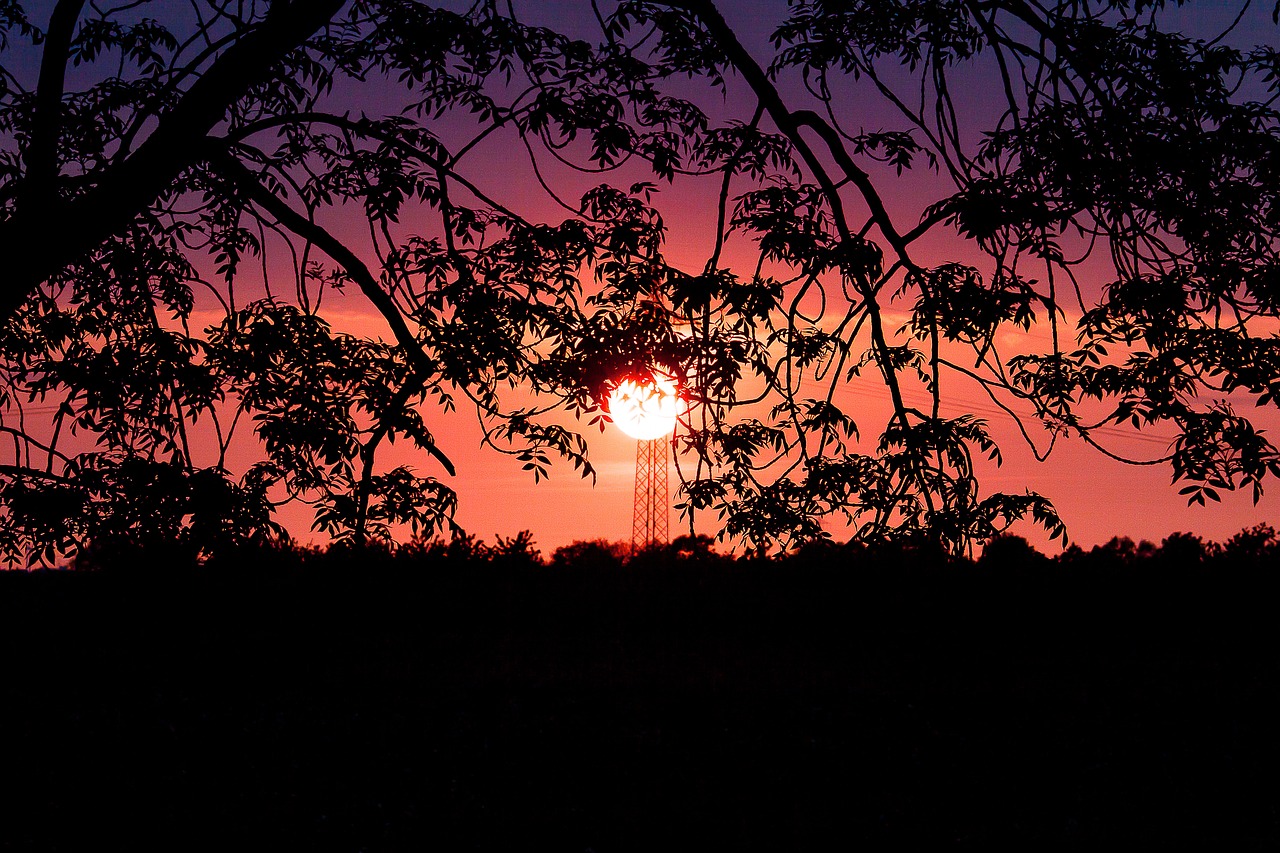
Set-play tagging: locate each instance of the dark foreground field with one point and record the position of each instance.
(361, 704)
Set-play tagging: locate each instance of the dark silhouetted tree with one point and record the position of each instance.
(592, 554)
(1258, 544)
(1008, 551)
(1185, 550)
(183, 187)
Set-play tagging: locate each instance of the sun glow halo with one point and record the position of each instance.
(644, 411)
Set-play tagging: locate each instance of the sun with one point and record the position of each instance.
(645, 410)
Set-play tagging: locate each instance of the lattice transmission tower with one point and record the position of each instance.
(653, 500)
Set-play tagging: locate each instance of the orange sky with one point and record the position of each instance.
(1096, 497)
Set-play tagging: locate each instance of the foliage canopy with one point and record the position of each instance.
(215, 171)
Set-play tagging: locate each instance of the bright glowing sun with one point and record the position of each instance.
(644, 410)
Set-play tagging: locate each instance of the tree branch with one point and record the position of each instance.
(247, 182)
(41, 154)
(790, 123)
(126, 189)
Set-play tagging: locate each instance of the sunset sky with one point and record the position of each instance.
(1097, 498)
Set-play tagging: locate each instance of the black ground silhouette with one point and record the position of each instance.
(470, 700)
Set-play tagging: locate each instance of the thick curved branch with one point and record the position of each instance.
(248, 183)
(858, 177)
(790, 124)
(366, 130)
(126, 189)
(41, 155)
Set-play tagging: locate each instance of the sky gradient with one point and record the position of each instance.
(1096, 497)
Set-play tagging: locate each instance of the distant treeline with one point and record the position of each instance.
(1255, 546)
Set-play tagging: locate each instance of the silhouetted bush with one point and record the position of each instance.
(591, 554)
(1254, 545)
(518, 550)
(1184, 550)
(1010, 551)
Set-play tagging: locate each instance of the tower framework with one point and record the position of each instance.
(652, 501)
